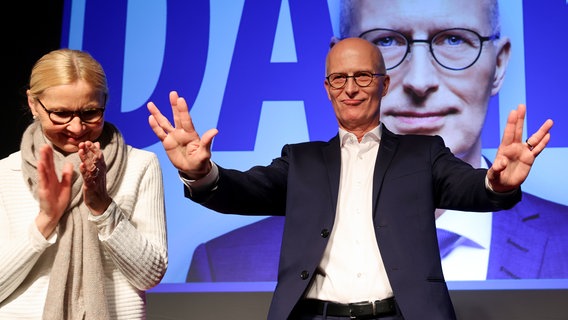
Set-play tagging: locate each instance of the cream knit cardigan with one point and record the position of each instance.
(134, 243)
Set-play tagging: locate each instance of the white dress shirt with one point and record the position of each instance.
(352, 269)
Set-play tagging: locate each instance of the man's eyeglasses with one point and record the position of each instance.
(90, 115)
(454, 49)
(362, 79)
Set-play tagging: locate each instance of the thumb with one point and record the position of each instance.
(499, 164)
(207, 138)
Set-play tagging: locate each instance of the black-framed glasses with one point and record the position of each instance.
(454, 49)
(89, 115)
(362, 79)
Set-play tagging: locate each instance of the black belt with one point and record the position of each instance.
(357, 310)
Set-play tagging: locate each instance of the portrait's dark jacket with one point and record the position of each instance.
(413, 176)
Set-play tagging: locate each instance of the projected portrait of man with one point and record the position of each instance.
(446, 59)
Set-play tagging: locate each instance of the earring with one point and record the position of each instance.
(34, 117)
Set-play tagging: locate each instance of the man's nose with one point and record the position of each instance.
(420, 72)
(351, 85)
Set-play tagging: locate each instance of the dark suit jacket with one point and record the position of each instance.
(413, 176)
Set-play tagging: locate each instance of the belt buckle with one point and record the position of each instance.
(361, 309)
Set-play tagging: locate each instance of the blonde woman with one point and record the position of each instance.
(82, 218)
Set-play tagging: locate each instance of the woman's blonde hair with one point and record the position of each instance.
(67, 66)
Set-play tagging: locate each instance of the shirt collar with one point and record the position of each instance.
(374, 134)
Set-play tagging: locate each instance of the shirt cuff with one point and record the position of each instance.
(205, 183)
(488, 187)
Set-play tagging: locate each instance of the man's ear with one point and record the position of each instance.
(503, 55)
(333, 41)
(386, 84)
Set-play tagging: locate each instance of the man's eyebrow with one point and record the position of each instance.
(409, 31)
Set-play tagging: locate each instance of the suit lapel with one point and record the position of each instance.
(332, 159)
(385, 155)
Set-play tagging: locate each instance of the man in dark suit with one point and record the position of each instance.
(526, 242)
(359, 236)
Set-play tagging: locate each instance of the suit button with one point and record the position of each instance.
(324, 233)
(304, 275)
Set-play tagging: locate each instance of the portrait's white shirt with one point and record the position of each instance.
(469, 260)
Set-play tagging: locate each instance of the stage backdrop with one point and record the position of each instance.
(254, 69)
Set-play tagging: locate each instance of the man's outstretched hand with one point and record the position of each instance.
(189, 153)
(515, 157)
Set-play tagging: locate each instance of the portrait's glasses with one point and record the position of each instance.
(454, 49)
(90, 115)
(362, 79)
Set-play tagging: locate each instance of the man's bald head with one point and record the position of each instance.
(359, 46)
